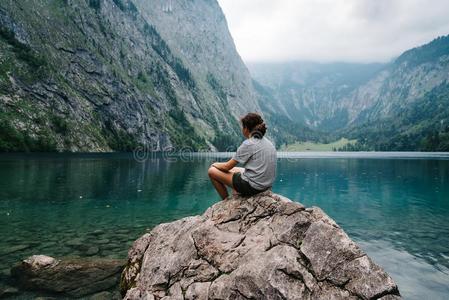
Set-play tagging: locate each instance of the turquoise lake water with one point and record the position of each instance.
(395, 206)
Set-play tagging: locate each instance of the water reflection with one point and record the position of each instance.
(402, 201)
(397, 209)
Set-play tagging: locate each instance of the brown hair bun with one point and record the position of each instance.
(255, 124)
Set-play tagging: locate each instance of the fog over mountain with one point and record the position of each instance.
(333, 30)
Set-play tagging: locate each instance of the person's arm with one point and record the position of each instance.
(242, 155)
(225, 166)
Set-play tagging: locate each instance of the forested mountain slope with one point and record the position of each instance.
(102, 75)
(113, 75)
(397, 106)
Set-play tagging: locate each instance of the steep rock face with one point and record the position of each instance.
(198, 33)
(262, 247)
(309, 93)
(96, 75)
(395, 89)
(337, 96)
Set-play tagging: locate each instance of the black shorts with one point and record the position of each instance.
(242, 186)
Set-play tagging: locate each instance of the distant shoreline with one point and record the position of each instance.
(210, 154)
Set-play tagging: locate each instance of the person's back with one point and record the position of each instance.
(258, 157)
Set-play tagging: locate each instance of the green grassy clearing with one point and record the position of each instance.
(312, 146)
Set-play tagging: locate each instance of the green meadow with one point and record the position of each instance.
(312, 146)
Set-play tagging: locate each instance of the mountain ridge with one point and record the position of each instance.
(333, 104)
(102, 75)
(119, 75)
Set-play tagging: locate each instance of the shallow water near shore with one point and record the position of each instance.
(95, 205)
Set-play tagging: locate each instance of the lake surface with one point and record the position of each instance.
(396, 206)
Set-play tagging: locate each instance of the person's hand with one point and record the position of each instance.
(220, 166)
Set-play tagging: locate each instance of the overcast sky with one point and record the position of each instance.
(333, 30)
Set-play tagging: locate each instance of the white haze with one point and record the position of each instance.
(333, 30)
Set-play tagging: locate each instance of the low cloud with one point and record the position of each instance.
(333, 30)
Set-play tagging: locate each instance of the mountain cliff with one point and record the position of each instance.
(102, 75)
(309, 92)
(116, 75)
(397, 106)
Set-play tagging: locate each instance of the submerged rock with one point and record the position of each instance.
(14, 249)
(92, 250)
(261, 247)
(8, 291)
(105, 296)
(71, 277)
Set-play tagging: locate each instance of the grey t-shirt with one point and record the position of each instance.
(258, 157)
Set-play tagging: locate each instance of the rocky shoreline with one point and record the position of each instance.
(261, 247)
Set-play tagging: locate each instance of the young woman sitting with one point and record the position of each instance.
(258, 157)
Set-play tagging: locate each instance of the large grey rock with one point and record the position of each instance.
(262, 247)
(72, 277)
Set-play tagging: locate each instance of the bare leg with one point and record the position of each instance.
(220, 188)
(220, 180)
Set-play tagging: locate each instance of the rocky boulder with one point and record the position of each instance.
(261, 247)
(69, 277)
